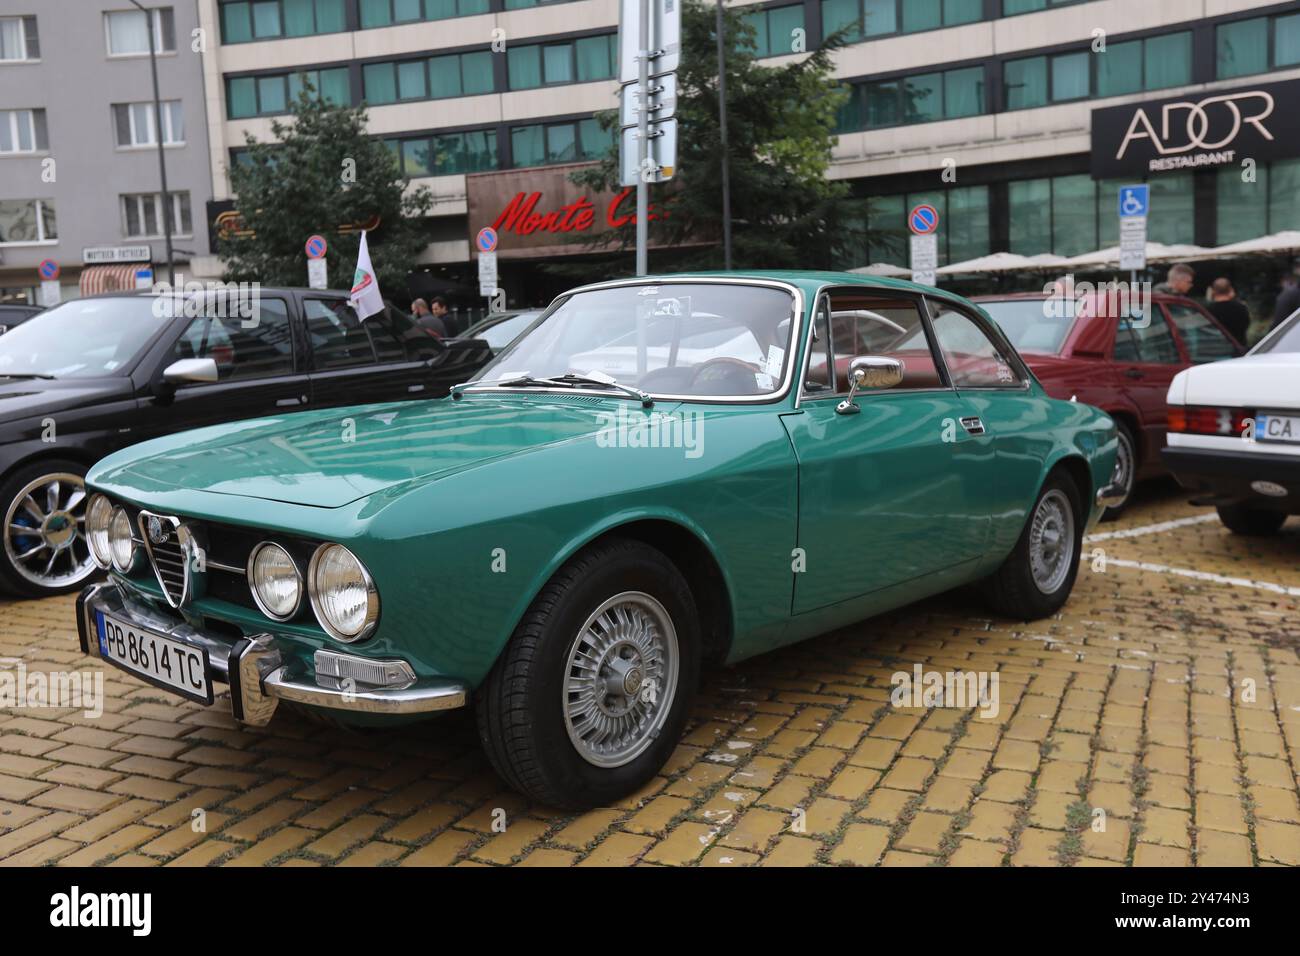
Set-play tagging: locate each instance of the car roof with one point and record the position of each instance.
(263, 290)
(809, 281)
(1030, 296)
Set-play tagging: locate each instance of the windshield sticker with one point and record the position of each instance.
(1004, 372)
(763, 380)
(775, 360)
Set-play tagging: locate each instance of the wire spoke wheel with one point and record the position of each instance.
(620, 679)
(44, 532)
(1051, 541)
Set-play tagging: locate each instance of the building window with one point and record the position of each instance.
(454, 74)
(26, 221)
(19, 39)
(913, 99)
(1173, 208)
(1012, 7)
(776, 29)
(446, 154)
(1270, 204)
(22, 131)
(553, 64)
(1155, 63)
(1257, 45)
(864, 19)
(525, 4)
(247, 20)
(140, 215)
(1057, 215)
(276, 93)
(963, 212)
(134, 124)
(545, 144)
(128, 31)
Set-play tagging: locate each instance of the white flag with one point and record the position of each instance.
(366, 297)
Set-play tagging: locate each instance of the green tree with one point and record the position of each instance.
(780, 128)
(325, 175)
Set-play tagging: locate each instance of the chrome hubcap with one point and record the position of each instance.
(44, 535)
(1051, 541)
(620, 679)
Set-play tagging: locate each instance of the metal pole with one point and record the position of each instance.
(722, 127)
(643, 140)
(165, 198)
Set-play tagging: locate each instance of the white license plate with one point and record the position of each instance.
(1270, 427)
(162, 661)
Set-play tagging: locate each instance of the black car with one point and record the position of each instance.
(11, 315)
(94, 375)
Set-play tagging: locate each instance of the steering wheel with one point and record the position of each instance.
(728, 366)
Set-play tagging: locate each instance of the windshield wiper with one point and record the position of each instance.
(25, 375)
(567, 380)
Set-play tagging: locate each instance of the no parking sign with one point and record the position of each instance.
(317, 271)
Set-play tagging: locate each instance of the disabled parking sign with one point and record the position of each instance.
(1134, 200)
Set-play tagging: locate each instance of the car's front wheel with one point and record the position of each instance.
(44, 533)
(1126, 468)
(1036, 578)
(1252, 522)
(590, 696)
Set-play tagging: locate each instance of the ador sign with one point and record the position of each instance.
(1207, 129)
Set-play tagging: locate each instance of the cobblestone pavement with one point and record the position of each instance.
(1155, 722)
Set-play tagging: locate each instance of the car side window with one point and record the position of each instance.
(1204, 340)
(1141, 341)
(819, 350)
(264, 350)
(338, 339)
(884, 325)
(973, 358)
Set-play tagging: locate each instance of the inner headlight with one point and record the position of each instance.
(98, 517)
(275, 581)
(342, 593)
(121, 546)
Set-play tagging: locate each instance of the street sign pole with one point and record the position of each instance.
(643, 140)
(722, 137)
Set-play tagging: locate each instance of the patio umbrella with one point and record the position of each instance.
(883, 269)
(1288, 241)
(1003, 262)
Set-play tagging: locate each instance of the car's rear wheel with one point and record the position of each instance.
(1038, 575)
(1253, 522)
(590, 696)
(45, 551)
(1125, 473)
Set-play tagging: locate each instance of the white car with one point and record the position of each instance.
(1234, 433)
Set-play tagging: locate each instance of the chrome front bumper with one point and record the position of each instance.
(1108, 495)
(257, 674)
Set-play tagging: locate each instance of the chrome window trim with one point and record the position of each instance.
(257, 598)
(796, 332)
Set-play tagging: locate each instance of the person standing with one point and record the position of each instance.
(1178, 281)
(1289, 299)
(1228, 309)
(426, 319)
(438, 309)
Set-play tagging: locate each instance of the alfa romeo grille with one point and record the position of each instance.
(167, 542)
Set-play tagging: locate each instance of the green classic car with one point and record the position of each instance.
(659, 473)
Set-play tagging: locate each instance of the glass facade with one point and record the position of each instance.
(913, 99)
(275, 93)
(777, 29)
(446, 154)
(550, 64)
(963, 234)
(865, 19)
(1257, 45)
(244, 21)
(1267, 204)
(438, 77)
(544, 144)
(1155, 63)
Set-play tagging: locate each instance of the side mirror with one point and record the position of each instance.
(191, 370)
(870, 371)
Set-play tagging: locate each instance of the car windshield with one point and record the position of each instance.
(1033, 325)
(1285, 339)
(674, 338)
(84, 338)
(502, 333)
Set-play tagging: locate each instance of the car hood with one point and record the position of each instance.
(1252, 381)
(331, 457)
(23, 398)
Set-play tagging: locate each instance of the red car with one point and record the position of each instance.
(1123, 366)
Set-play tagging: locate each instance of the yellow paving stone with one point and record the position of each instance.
(755, 828)
(875, 752)
(1112, 767)
(901, 858)
(790, 850)
(863, 844)
(852, 783)
(115, 843)
(1215, 848)
(819, 762)
(1268, 772)
(908, 773)
(977, 853)
(1037, 848)
(925, 833)
(547, 856)
(1274, 803)
(926, 743)
(1167, 790)
(948, 793)
(697, 778)
(1061, 776)
(1216, 778)
(1148, 854)
(655, 816)
(1004, 786)
(40, 854)
(1049, 809)
(269, 847)
(618, 849)
(990, 821)
(720, 856)
(1110, 843)
(842, 735)
(1218, 812)
(885, 804)
(1278, 842)
(824, 815)
(504, 847)
(966, 763)
(1166, 827)
(685, 844)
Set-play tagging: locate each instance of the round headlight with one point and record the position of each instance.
(98, 517)
(121, 546)
(342, 593)
(275, 581)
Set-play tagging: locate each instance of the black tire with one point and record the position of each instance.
(1129, 447)
(12, 580)
(521, 719)
(1013, 590)
(1252, 522)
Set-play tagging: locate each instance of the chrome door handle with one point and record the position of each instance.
(287, 402)
(973, 424)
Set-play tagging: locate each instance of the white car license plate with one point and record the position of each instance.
(162, 661)
(1270, 427)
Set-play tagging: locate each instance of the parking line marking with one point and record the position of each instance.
(1150, 528)
(1206, 576)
